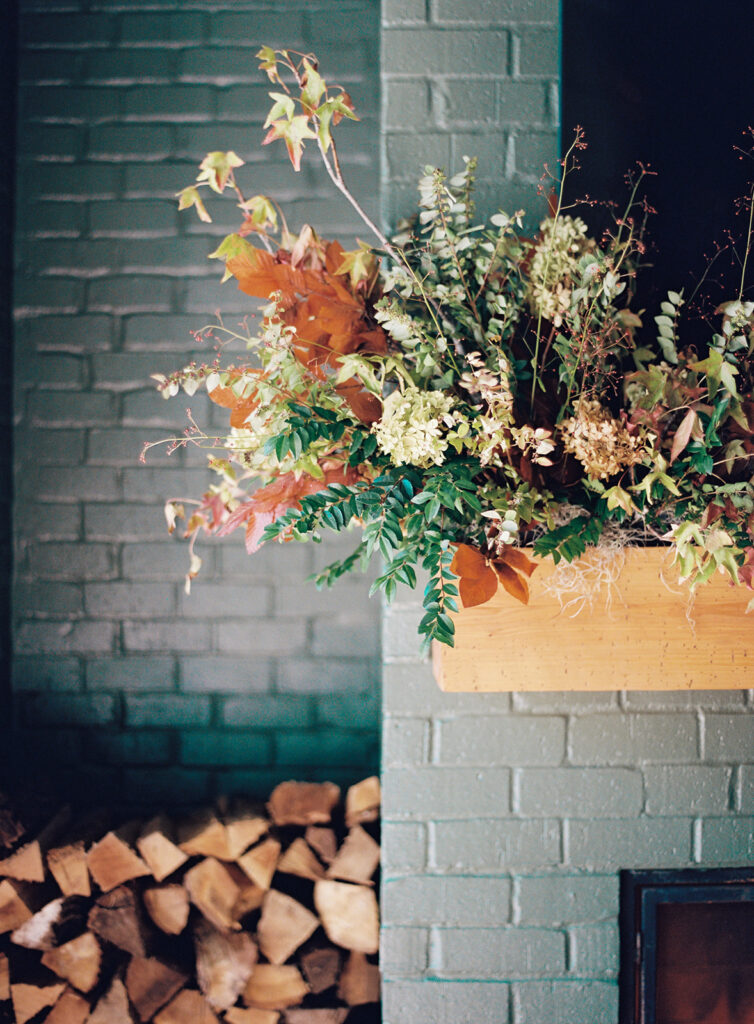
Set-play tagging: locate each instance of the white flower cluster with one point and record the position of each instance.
(553, 266)
(411, 428)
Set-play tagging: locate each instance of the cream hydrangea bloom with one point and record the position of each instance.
(554, 264)
(411, 430)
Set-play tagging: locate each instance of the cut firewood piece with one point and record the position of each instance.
(159, 852)
(113, 1007)
(112, 862)
(117, 918)
(28, 1000)
(363, 801)
(168, 906)
(188, 1007)
(57, 922)
(4, 978)
(299, 860)
(250, 895)
(15, 905)
(77, 962)
(71, 1008)
(211, 888)
(357, 858)
(69, 868)
(274, 987)
(322, 841)
(224, 964)
(303, 803)
(321, 968)
(285, 925)
(25, 865)
(322, 1015)
(360, 981)
(250, 1015)
(204, 835)
(150, 984)
(243, 830)
(349, 914)
(260, 862)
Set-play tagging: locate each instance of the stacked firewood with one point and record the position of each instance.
(240, 914)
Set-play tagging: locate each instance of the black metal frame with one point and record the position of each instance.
(641, 892)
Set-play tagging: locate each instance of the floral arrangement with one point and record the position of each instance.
(466, 393)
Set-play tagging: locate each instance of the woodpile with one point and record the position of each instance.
(237, 915)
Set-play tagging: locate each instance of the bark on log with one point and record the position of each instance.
(150, 984)
(117, 918)
(224, 964)
(321, 968)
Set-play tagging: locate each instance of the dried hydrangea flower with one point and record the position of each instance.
(412, 428)
(601, 443)
(553, 266)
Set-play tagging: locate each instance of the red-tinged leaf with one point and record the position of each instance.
(516, 584)
(682, 435)
(477, 582)
(746, 571)
(517, 560)
(242, 410)
(260, 274)
(226, 397)
(365, 406)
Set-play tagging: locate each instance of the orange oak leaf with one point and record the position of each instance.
(477, 582)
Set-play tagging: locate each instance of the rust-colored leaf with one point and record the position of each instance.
(517, 560)
(477, 582)
(366, 406)
(683, 434)
(515, 583)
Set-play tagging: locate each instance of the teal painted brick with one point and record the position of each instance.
(171, 787)
(81, 105)
(403, 846)
(499, 12)
(245, 103)
(68, 409)
(729, 738)
(409, 154)
(69, 333)
(355, 749)
(69, 709)
(403, 12)
(130, 294)
(158, 331)
(253, 28)
(324, 675)
(727, 841)
(579, 792)
(502, 953)
(535, 151)
(49, 295)
(49, 219)
(406, 101)
(165, 636)
(224, 749)
(50, 370)
(565, 899)
(522, 103)
(403, 952)
(169, 103)
(175, 27)
(131, 600)
(636, 843)
(141, 218)
(687, 789)
(58, 447)
(432, 900)
(71, 182)
(489, 740)
(539, 52)
(567, 1002)
(223, 66)
(262, 636)
(59, 29)
(436, 794)
(64, 638)
(39, 673)
(469, 101)
(134, 747)
(356, 711)
(74, 484)
(746, 789)
(51, 67)
(119, 141)
(495, 845)
(609, 739)
(405, 741)
(66, 142)
(445, 1002)
(71, 561)
(226, 675)
(433, 50)
(594, 950)
(135, 674)
(489, 146)
(167, 710)
(270, 711)
(157, 181)
(131, 67)
(60, 600)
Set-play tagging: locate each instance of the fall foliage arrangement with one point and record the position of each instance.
(465, 391)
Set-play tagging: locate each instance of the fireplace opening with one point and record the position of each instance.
(687, 947)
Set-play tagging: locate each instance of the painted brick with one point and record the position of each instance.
(61, 30)
(146, 673)
(270, 711)
(403, 952)
(539, 52)
(609, 739)
(678, 700)
(262, 636)
(579, 793)
(220, 600)
(150, 331)
(495, 11)
(534, 152)
(410, 689)
(521, 103)
(403, 847)
(66, 409)
(78, 181)
(57, 296)
(516, 739)
(356, 749)
(567, 1002)
(408, 155)
(687, 789)
(446, 1002)
(69, 709)
(746, 789)
(727, 841)
(165, 636)
(501, 952)
(637, 843)
(166, 710)
(406, 100)
(165, 29)
(565, 899)
(566, 702)
(325, 675)
(130, 294)
(250, 27)
(131, 67)
(130, 600)
(166, 560)
(729, 738)
(168, 103)
(436, 794)
(64, 637)
(60, 675)
(87, 331)
(431, 900)
(224, 749)
(225, 675)
(133, 747)
(462, 102)
(66, 599)
(433, 50)
(73, 484)
(345, 635)
(71, 561)
(495, 845)
(172, 787)
(51, 371)
(136, 218)
(119, 523)
(405, 741)
(146, 484)
(594, 950)
(355, 711)
(403, 12)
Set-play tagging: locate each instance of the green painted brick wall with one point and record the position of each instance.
(120, 679)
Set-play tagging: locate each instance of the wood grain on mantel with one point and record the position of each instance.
(652, 637)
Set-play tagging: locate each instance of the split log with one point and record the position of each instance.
(212, 889)
(349, 914)
(42, 930)
(360, 981)
(357, 858)
(322, 1015)
(168, 906)
(15, 905)
(112, 862)
(77, 962)
(363, 802)
(224, 964)
(321, 968)
(28, 1000)
(273, 987)
(303, 803)
(159, 852)
(260, 863)
(68, 866)
(71, 1008)
(4, 978)
(250, 1015)
(322, 841)
(150, 984)
(204, 835)
(117, 918)
(27, 864)
(243, 830)
(188, 1007)
(285, 925)
(113, 1007)
(250, 895)
(299, 860)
